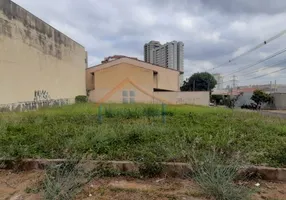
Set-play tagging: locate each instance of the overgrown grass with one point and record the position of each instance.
(135, 132)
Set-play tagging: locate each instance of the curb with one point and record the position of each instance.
(168, 168)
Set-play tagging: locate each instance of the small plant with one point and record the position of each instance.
(216, 178)
(81, 99)
(35, 189)
(64, 181)
(149, 166)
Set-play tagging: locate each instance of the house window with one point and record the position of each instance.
(128, 96)
(125, 93)
(132, 93)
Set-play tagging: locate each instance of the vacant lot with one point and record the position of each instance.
(137, 132)
(25, 185)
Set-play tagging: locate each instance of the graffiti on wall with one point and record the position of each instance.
(41, 95)
(34, 105)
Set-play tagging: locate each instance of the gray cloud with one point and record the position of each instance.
(246, 6)
(213, 31)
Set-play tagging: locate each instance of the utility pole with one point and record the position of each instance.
(194, 85)
(233, 81)
(232, 88)
(275, 86)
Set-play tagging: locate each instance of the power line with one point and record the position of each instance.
(263, 68)
(258, 62)
(253, 49)
(284, 61)
(284, 68)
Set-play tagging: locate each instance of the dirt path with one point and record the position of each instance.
(13, 186)
(21, 186)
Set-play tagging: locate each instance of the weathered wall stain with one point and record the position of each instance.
(35, 54)
(5, 28)
(34, 105)
(41, 95)
(37, 33)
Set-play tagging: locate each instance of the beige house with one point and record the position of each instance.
(127, 80)
(37, 62)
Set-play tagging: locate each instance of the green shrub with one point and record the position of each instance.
(81, 99)
(149, 166)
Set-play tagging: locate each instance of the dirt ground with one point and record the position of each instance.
(21, 186)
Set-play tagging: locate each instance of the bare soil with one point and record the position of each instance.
(23, 186)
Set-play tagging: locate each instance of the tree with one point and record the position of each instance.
(260, 97)
(203, 81)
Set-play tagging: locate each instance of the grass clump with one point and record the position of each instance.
(149, 166)
(64, 181)
(216, 177)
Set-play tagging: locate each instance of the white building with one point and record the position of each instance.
(170, 55)
(219, 79)
(148, 48)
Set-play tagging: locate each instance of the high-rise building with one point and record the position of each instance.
(148, 48)
(170, 55)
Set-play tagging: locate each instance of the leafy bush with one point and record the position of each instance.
(150, 166)
(260, 96)
(81, 99)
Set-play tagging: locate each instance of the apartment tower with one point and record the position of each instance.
(170, 55)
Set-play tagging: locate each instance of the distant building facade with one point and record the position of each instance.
(219, 79)
(115, 57)
(148, 48)
(170, 55)
(127, 80)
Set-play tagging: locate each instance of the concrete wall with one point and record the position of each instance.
(279, 101)
(194, 98)
(133, 95)
(37, 62)
(34, 105)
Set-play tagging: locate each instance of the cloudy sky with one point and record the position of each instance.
(214, 31)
